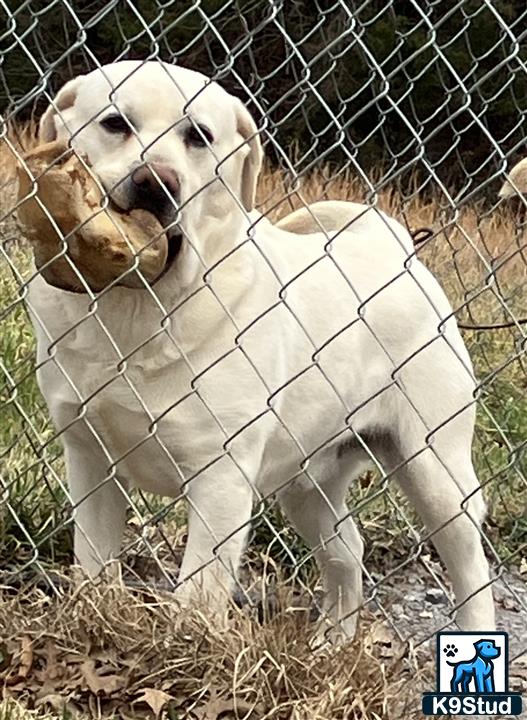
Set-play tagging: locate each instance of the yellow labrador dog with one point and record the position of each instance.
(266, 359)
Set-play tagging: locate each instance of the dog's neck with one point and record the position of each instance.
(205, 244)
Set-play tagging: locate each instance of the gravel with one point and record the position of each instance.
(416, 610)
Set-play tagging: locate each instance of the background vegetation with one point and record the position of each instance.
(434, 87)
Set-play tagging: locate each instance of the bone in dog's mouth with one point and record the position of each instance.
(174, 237)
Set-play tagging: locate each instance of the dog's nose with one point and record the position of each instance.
(153, 176)
(153, 185)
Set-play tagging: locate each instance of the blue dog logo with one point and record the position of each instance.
(480, 669)
(476, 687)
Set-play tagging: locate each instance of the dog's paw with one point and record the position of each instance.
(450, 650)
(333, 634)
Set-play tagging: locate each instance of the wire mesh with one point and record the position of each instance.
(415, 109)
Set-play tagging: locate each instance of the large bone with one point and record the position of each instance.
(102, 244)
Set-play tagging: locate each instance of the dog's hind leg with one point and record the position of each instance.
(441, 483)
(465, 684)
(455, 682)
(321, 518)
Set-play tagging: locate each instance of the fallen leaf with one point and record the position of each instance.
(53, 670)
(58, 703)
(383, 641)
(100, 684)
(380, 634)
(155, 699)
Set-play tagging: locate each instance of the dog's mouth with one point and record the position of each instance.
(155, 202)
(166, 218)
(175, 241)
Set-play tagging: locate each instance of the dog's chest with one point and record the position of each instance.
(161, 417)
(149, 430)
(152, 424)
(142, 408)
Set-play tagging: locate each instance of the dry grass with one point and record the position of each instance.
(107, 652)
(16, 139)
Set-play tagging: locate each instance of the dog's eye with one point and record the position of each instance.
(116, 124)
(198, 136)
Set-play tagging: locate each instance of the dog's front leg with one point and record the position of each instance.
(99, 507)
(220, 503)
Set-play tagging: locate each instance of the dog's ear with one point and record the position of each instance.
(65, 98)
(252, 164)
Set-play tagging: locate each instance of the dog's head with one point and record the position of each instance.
(165, 139)
(487, 649)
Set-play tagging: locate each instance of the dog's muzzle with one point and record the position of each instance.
(155, 188)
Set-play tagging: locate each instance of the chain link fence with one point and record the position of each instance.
(416, 109)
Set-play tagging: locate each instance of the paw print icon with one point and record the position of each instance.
(450, 650)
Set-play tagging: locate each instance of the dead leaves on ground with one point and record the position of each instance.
(155, 699)
(108, 653)
(48, 677)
